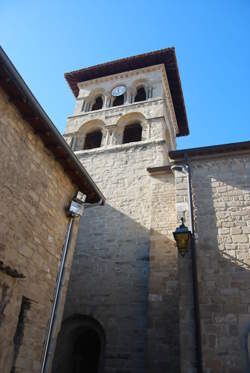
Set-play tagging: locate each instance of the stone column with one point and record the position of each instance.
(110, 136)
(128, 96)
(83, 105)
(106, 101)
(73, 143)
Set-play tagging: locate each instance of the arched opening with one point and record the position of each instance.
(93, 140)
(119, 100)
(86, 353)
(140, 94)
(132, 133)
(80, 346)
(98, 103)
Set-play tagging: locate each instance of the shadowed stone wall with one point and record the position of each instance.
(110, 273)
(221, 194)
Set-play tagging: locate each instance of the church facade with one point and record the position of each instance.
(134, 304)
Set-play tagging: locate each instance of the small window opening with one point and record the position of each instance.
(97, 105)
(119, 100)
(140, 95)
(87, 349)
(132, 133)
(93, 140)
(18, 337)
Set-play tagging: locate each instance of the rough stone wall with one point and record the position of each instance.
(221, 192)
(163, 304)
(110, 272)
(187, 337)
(34, 191)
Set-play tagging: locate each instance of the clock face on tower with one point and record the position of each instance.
(118, 91)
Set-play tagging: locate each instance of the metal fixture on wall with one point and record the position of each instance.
(75, 210)
(183, 238)
(186, 169)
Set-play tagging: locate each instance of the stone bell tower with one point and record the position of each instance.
(121, 308)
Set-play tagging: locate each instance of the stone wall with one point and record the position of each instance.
(221, 193)
(110, 273)
(163, 301)
(34, 192)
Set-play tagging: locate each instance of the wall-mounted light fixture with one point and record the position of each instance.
(77, 205)
(182, 237)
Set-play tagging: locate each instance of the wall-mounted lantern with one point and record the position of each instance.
(182, 237)
(77, 205)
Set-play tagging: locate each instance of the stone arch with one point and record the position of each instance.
(127, 120)
(141, 83)
(80, 346)
(90, 101)
(88, 127)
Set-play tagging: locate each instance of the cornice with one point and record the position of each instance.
(119, 147)
(123, 75)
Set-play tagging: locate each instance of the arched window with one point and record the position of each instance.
(119, 100)
(98, 103)
(132, 133)
(93, 140)
(140, 94)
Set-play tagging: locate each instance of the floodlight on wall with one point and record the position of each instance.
(182, 237)
(76, 207)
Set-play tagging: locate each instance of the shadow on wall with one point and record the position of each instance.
(109, 284)
(222, 212)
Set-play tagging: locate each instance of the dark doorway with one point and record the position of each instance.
(93, 140)
(86, 353)
(80, 346)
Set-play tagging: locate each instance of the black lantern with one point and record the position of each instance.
(182, 237)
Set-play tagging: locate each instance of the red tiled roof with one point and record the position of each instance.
(162, 56)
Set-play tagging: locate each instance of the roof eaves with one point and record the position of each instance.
(210, 150)
(32, 112)
(166, 56)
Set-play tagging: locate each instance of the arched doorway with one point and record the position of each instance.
(80, 346)
(86, 353)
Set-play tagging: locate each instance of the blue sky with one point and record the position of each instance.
(45, 38)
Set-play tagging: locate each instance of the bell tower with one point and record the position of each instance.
(127, 116)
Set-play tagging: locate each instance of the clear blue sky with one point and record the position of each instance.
(45, 38)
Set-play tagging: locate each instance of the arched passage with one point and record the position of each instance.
(80, 346)
(86, 351)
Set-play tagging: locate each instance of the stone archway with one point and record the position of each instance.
(80, 346)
